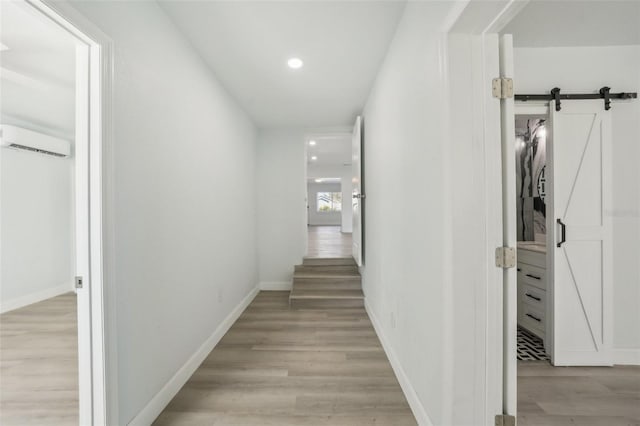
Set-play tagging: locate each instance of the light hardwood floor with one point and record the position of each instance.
(578, 396)
(328, 241)
(39, 364)
(278, 366)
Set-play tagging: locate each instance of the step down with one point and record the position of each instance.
(327, 284)
(333, 261)
(328, 269)
(324, 286)
(323, 299)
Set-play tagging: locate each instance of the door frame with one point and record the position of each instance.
(309, 135)
(94, 222)
(482, 22)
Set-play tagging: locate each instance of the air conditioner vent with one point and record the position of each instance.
(30, 148)
(24, 139)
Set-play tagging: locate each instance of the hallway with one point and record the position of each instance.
(277, 366)
(328, 241)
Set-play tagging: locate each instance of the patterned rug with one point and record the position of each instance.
(530, 347)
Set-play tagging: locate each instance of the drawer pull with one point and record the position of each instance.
(532, 317)
(519, 269)
(533, 276)
(532, 297)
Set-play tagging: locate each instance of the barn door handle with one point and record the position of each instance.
(563, 233)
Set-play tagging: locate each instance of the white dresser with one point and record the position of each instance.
(532, 287)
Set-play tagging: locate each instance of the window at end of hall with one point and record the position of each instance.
(329, 202)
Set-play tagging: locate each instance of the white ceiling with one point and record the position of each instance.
(331, 151)
(247, 45)
(37, 72)
(576, 23)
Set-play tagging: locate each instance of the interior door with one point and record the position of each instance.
(509, 231)
(357, 197)
(580, 158)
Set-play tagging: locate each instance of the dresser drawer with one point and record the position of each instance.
(532, 275)
(531, 257)
(532, 296)
(532, 319)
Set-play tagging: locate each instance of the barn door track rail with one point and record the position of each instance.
(555, 96)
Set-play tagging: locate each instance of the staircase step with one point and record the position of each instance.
(303, 278)
(316, 278)
(328, 269)
(322, 299)
(329, 261)
(327, 285)
(324, 283)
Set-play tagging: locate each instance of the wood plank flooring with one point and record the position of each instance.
(278, 366)
(39, 364)
(578, 396)
(328, 241)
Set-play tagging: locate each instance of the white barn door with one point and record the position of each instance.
(580, 158)
(357, 196)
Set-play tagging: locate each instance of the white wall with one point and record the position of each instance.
(36, 230)
(282, 221)
(405, 273)
(586, 69)
(185, 199)
(322, 218)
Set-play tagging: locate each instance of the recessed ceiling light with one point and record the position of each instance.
(312, 143)
(318, 180)
(295, 63)
(314, 158)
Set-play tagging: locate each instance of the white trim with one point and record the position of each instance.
(96, 300)
(416, 406)
(275, 285)
(506, 15)
(492, 304)
(486, 19)
(626, 356)
(35, 297)
(152, 410)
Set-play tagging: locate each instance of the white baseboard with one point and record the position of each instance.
(275, 285)
(38, 296)
(417, 408)
(626, 356)
(158, 403)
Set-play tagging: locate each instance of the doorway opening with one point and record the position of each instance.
(53, 120)
(535, 322)
(328, 186)
(39, 328)
(573, 292)
(565, 195)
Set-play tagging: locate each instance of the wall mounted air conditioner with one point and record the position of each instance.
(18, 138)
